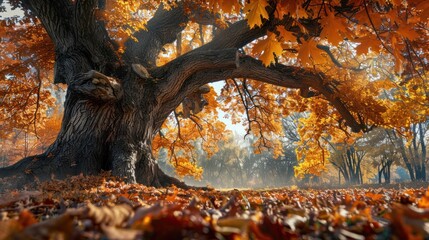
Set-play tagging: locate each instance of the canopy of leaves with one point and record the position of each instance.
(370, 56)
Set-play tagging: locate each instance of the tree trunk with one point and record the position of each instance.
(379, 174)
(346, 175)
(98, 135)
(420, 172)
(423, 149)
(388, 175)
(406, 159)
(339, 177)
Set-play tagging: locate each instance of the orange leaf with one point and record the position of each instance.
(332, 27)
(270, 46)
(424, 201)
(229, 6)
(367, 43)
(286, 35)
(254, 11)
(26, 218)
(293, 8)
(407, 31)
(374, 196)
(309, 54)
(172, 198)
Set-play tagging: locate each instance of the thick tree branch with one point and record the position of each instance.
(239, 34)
(162, 29)
(177, 71)
(235, 36)
(279, 75)
(296, 77)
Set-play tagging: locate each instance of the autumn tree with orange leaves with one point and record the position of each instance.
(136, 75)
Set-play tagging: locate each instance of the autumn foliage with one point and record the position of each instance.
(343, 67)
(371, 54)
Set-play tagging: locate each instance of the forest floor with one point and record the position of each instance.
(102, 207)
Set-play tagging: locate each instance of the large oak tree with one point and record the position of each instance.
(330, 58)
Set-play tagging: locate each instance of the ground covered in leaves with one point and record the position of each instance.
(104, 208)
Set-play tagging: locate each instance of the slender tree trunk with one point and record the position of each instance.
(406, 160)
(379, 174)
(339, 177)
(417, 169)
(420, 172)
(347, 175)
(423, 149)
(388, 175)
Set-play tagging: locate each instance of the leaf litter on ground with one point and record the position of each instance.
(103, 207)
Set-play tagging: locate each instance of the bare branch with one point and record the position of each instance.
(239, 34)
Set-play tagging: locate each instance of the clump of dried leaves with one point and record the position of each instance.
(101, 207)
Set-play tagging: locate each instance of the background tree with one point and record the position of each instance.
(413, 150)
(348, 160)
(129, 65)
(21, 143)
(224, 168)
(383, 154)
(236, 165)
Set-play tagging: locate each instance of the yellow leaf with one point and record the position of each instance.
(254, 11)
(424, 201)
(269, 46)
